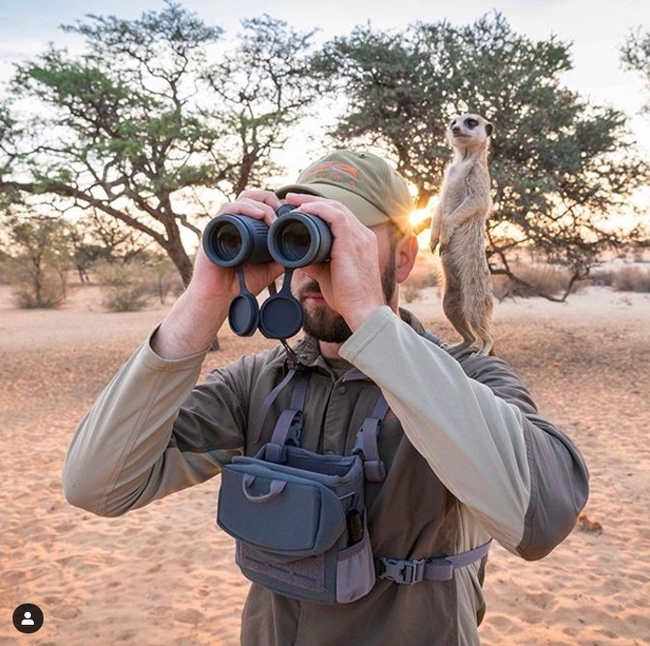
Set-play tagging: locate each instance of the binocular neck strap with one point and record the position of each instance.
(294, 373)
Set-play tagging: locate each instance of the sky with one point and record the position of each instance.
(595, 28)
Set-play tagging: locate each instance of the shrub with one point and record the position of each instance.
(125, 287)
(602, 278)
(42, 289)
(631, 279)
(49, 293)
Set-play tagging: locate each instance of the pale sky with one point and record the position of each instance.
(596, 29)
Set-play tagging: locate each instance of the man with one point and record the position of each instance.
(466, 455)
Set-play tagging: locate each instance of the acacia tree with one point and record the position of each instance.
(144, 127)
(635, 56)
(558, 164)
(40, 246)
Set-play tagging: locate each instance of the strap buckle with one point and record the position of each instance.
(402, 570)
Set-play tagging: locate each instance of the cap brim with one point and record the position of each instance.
(367, 214)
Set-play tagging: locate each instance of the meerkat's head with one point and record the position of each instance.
(469, 131)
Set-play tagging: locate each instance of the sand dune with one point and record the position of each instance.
(165, 574)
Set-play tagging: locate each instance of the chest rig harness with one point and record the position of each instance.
(299, 518)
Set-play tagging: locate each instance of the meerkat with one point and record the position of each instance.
(458, 227)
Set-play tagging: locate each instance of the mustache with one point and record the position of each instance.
(309, 287)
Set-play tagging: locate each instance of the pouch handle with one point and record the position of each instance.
(276, 488)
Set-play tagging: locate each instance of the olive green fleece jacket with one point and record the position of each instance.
(467, 456)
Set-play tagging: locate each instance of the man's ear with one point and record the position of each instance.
(405, 254)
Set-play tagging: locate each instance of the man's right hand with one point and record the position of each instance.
(195, 318)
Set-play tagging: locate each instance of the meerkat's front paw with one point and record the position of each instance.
(445, 237)
(433, 242)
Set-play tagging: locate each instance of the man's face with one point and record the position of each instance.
(321, 321)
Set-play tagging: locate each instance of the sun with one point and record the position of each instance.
(421, 222)
(419, 216)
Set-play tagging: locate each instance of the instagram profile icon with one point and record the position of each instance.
(28, 618)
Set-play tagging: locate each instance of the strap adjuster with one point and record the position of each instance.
(440, 568)
(402, 570)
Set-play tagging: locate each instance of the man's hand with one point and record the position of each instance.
(351, 281)
(195, 318)
(210, 282)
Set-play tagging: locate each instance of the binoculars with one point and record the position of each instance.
(294, 240)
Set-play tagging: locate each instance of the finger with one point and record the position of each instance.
(250, 207)
(323, 207)
(260, 276)
(266, 200)
(297, 199)
(261, 195)
(269, 214)
(326, 209)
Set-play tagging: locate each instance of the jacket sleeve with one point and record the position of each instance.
(149, 434)
(519, 475)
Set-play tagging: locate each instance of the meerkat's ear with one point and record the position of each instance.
(488, 128)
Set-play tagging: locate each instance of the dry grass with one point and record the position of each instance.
(624, 279)
(130, 287)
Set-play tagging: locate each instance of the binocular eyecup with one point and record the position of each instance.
(294, 240)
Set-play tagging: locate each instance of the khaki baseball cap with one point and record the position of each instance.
(365, 183)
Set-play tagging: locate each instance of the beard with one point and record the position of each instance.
(323, 323)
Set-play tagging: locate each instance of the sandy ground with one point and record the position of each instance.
(165, 574)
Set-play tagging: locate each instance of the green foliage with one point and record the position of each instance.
(264, 84)
(635, 56)
(555, 159)
(161, 115)
(145, 127)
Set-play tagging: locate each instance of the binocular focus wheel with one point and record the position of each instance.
(244, 314)
(280, 317)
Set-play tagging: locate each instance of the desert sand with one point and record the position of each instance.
(165, 575)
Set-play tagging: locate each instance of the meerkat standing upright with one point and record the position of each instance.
(458, 226)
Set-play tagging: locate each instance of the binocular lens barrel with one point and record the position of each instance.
(234, 240)
(298, 239)
(294, 240)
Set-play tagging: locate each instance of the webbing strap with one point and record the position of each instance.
(288, 428)
(255, 428)
(440, 568)
(366, 443)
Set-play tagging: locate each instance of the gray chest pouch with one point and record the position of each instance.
(299, 517)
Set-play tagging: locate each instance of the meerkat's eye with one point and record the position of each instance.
(471, 123)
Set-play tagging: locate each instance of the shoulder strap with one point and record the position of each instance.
(288, 428)
(430, 336)
(366, 443)
(255, 429)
